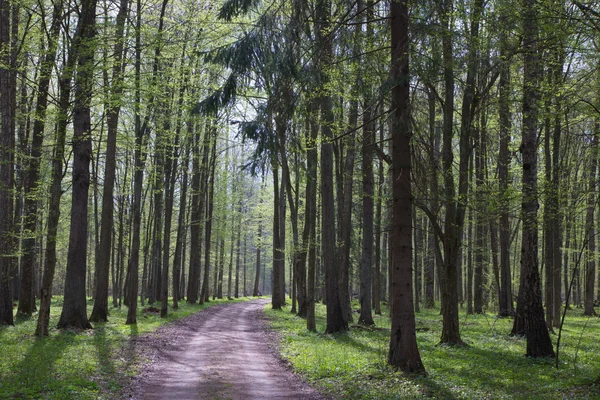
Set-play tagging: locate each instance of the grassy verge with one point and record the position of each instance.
(492, 366)
(69, 365)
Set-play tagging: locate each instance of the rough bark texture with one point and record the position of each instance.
(590, 270)
(55, 196)
(74, 312)
(366, 316)
(403, 353)
(26, 291)
(277, 255)
(100, 310)
(311, 220)
(529, 305)
(506, 303)
(6, 167)
(335, 315)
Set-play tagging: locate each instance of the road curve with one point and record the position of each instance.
(220, 353)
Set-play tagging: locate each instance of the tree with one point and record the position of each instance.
(335, 317)
(100, 310)
(403, 353)
(74, 312)
(6, 163)
(529, 302)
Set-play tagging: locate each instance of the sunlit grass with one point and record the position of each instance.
(492, 366)
(91, 364)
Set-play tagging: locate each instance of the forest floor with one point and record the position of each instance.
(223, 352)
(104, 362)
(492, 365)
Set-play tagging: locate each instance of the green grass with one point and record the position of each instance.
(92, 364)
(492, 366)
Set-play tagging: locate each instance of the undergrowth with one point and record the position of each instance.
(491, 366)
(92, 364)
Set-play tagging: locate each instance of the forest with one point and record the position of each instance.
(370, 157)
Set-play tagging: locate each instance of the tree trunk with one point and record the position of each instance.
(6, 168)
(590, 227)
(26, 291)
(403, 353)
(277, 255)
(181, 229)
(336, 322)
(100, 310)
(366, 317)
(55, 195)
(204, 295)
(74, 312)
(529, 303)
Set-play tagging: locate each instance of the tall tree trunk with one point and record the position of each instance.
(55, 194)
(210, 185)
(181, 227)
(529, 303)
(590, 227)
(26, 291)
(255, 290)
(506, 303)
(336, 321)
(310, 238)
(366, 317)
(100, 310)
(277, 255)
(403, 352)
(6, 168)
(142, 132)
(74, 312)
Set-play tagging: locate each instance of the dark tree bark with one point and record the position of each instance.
(74, 312)
(366, 317)
(26, 292)
(255, 290)
(336, 322)
(277, 255)
(590, 271)
(529, 303)
(403, 353)
(210, 185)
(55, 194)
(311, 218)
(181, 228)
(100, 310)
(6, 167)
(506, 302)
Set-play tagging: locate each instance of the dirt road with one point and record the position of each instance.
(220, 353)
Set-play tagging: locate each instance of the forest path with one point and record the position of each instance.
(220, 353)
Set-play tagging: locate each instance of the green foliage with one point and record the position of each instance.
(493, 366)
(92, 364)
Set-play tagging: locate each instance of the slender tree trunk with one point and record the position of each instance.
(336, 321)
(181, 229)
(366, 317)
(55, 195)
(277, 255)
(506, 303)
(26, 291)
(204, 295)
(6, 168)
(255, 291)
(100, 310)
(590, 227)
(196, 217)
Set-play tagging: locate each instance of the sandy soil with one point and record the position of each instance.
(223, 352)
